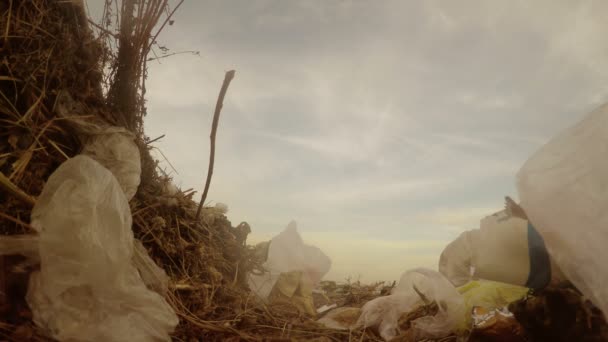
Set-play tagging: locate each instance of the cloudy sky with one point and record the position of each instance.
(384, 128)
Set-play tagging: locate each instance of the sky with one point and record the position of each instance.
(383, 128)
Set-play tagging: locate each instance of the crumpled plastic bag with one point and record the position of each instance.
(111, 146)
(505, 249)
(384, 312)
(27, 245)
(87, 288)
(563, 188)
(287, 252)
(115, 149)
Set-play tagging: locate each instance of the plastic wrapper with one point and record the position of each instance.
(563, 188)
(87, 288)
(487, 295)
(415, 288)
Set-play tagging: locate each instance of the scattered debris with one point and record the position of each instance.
(560, 314)
(495, 325)
(71, 87)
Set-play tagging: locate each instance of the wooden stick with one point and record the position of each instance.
(216, 118)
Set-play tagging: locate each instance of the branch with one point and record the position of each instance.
(216, 118)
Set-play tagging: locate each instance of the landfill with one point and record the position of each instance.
(98, 244)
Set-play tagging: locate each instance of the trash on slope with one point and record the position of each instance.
(87, 288)
(95, 279)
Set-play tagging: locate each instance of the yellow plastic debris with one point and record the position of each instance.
(488, 295)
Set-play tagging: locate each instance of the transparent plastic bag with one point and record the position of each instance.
(111, 146)
(115, 149)
(505, 249)
(384, 312)
(563, 188)
(87, 288)
(287, 253)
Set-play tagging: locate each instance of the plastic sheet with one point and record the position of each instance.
(87, 288)
(563, 188)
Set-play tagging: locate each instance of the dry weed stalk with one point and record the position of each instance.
(216, 119)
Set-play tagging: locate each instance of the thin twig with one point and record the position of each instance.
(162, 26)
(216, 118)
(155, 139)
(102, 29)
(17, 221)
(192, 52)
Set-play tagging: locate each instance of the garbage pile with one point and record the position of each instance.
(97, 244)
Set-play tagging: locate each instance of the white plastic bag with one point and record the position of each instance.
(563, 188)
(505, 249)
(384, 312)
(87, 288)
(111, 146)
(286, 253)
(115, 149)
